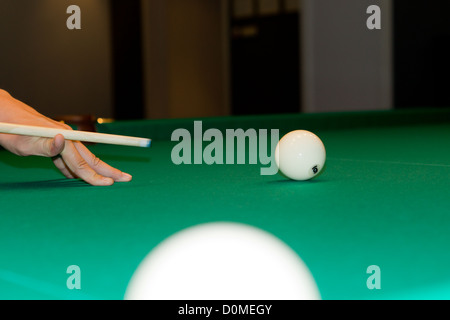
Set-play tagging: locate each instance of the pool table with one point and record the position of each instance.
(383, 200)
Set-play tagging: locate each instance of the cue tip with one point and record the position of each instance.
(147, 143)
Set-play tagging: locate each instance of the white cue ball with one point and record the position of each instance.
(222, 261)
(300, 155)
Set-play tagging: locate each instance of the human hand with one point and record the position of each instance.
(72, 158)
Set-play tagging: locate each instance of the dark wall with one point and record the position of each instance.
(127, 59)
(265, 58)
(421, 53)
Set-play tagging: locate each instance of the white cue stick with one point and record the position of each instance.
(84, 136)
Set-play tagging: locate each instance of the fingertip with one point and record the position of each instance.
(100, 181)
(107, 181)
(58, 143)
(104, 182)
(125, 177)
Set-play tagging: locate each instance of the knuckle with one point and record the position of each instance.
(61, 125)
(96, 161)
(81, 165)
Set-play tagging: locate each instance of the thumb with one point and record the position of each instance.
(52, 147)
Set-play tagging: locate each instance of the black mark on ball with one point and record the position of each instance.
(315, 170)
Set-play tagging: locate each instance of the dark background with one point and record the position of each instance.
(175, 58)
(421, 53)
(264, 64)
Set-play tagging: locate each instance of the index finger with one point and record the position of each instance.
(101, 167)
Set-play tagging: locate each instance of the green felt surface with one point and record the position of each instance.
(382, 200)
